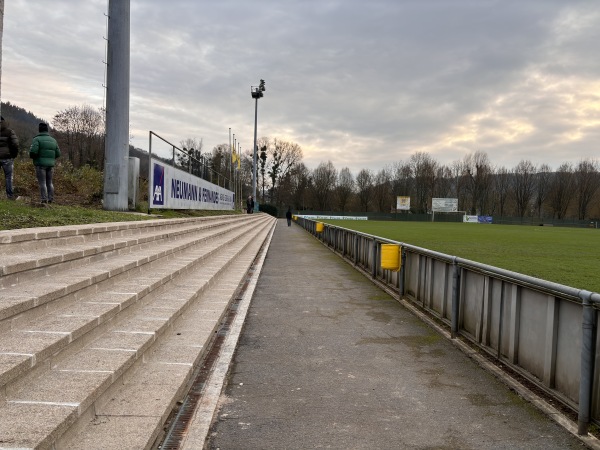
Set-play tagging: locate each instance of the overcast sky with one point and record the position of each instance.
(361, 83)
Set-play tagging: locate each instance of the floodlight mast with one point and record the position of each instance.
(256, 92)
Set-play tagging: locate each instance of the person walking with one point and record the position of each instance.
(250, 205)
(9, 150)
(288, 216)
(44, 151)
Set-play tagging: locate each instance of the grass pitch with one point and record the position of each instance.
(569, 256)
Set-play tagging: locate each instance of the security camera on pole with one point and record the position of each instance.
(256, 92)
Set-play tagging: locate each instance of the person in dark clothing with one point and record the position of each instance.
(9, 150)
(250, 205)
(44, 151)
(288, 216)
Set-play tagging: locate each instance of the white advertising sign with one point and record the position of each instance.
(444, 204)
(403, 203)
(309, 216)
(175, 189)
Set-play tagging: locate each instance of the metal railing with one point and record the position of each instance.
(543, 330)
(197, 167)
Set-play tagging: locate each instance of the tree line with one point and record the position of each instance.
(571, 191)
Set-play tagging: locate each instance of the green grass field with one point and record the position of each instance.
(569, 256)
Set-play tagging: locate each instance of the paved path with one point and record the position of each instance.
(327, 360)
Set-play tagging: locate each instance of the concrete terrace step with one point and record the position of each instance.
(150, 391)
(36, 254)
(56, 365)
(23, 296)
(26, 343)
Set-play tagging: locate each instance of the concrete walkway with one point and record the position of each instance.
(327, 360)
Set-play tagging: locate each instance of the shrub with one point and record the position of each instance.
(73, 186)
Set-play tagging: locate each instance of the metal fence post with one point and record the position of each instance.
(588, 352)
(455, 297)
(402, 272)
(374, 271)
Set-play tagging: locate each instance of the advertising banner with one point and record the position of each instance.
(402, 203)
(315, 216)
(444, 204)
(477, 219)
(175, 189)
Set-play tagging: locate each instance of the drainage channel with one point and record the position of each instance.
(181, 417)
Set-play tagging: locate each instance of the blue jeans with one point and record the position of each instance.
(7, 166)
(44, 177)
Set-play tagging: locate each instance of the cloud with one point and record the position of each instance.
(363, 84)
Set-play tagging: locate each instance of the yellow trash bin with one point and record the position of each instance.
(390, 257)
(320, 227)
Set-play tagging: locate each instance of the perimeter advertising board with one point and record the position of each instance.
(444, 204)
(175, 189)
(477, 219)
(316, 217)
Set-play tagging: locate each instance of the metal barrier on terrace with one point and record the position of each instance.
(545, 331)
(188, 161)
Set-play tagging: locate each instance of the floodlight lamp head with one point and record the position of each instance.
(256, 92)
(262, 86)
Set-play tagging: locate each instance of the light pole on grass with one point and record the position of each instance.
(256, 92)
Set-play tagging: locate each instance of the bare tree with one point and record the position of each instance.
(285, 155)
(523, 186)
(324, 179)
(300, 180)
(561, 190)
(80, 132)
(478, 173)
(364, 187)
(219, 164)
(290, 155)
(382, 185)
(345, 188)
(192, 160)
(402, 180)
(542, 185)
(444, 182)
(586, 183)
(424, 169)
(501, 189)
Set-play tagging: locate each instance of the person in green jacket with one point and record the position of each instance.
(44, 151)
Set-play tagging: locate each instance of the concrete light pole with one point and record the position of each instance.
(117, 107)
(1, 33)
(256, 92)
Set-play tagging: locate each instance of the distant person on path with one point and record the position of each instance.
(9, 150)
(288, 216)
(250, 205)
(44, 151)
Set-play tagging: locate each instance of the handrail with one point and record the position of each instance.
(547, 286)
(202, 162)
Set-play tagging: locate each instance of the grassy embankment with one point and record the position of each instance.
(18, 214)
(78, 194)
(569, 256)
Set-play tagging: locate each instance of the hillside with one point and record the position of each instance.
(23, 122)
